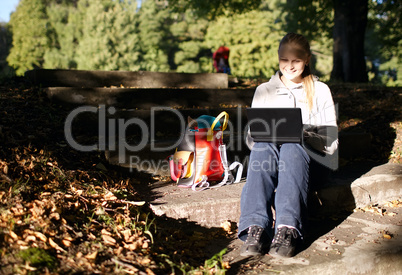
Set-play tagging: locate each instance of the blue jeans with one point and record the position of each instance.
(272, 167)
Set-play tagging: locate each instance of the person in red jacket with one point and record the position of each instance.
(221, 60)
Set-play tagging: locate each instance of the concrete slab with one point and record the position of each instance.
(213, 206)
(349, 245)
(166, 136)
(209, 208)
(146, 98)
(380, 184)
(142, 79)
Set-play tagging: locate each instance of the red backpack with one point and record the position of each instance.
(201, 156)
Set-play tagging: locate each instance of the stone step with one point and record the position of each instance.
(139, 79)
(152, 156)
(147, 98)
(154, 134)
(345, 190)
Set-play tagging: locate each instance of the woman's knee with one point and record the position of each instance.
(263, 159)
(293, 150)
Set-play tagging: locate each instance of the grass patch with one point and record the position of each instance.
(38, 257)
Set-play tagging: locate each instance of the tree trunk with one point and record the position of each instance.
(349, 28)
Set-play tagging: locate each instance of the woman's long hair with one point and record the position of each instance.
(304, 51)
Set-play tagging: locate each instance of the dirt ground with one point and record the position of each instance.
(69, 212)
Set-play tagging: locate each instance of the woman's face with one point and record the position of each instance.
(291, 64)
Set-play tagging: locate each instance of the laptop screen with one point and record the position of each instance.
(275, 125)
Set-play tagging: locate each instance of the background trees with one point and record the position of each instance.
(315, 20)
(109, 38)
(350, 23)
(383, 46)
(178, 35)
(65, 24)
(5, 44)
(31, 35)
(253, 38)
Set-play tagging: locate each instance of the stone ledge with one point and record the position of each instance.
(213, 206)
(146, 98)
(139, 79)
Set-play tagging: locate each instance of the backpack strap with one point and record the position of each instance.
(228, 177)
(203, 184)
(210, 132)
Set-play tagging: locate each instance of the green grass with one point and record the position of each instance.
(38, 257)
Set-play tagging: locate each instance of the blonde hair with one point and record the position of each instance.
(304, 51)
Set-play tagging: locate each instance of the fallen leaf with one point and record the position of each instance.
(118, 250)
(28, 267)
(68, 238)
(55, 216)
(225, 265)
(109, 196)
(92, 256)
(227, 226)
(55, 245)
(5, 170)
(145, 245)
(108, 240)
(40, 236)
(105, 232)
(126, 234)
(136, 203)
(13, 235)
(30, 239)
(21, 243)
(144, 261)
(66, 243)
(131, 246)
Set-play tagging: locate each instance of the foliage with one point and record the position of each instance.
(310, 18)
(315, 20)
(152, 33)
(61, 54)
(68, 212)
(189, 52)
(106, 24)
(55, 200)
(384, 42)
(216, 262)
(253, 39)
(31, 35)
(38, 257)
(178, 35)
(5, 45)
(213, 8)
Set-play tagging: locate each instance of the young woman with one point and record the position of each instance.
(287, 175)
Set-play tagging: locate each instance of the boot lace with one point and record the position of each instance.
(254, 234)
(284, 236)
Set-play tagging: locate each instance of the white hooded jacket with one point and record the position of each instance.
(320, 138)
